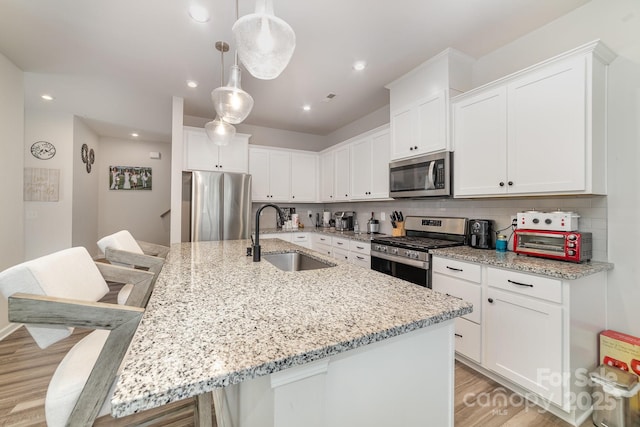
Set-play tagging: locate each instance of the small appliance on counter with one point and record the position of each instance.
(373, 225)
(288, 212)
(554, 221)
(481, 234)
(344, 220)
(326, 219)
(561, 245)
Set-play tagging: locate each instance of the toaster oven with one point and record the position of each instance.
(562, 245)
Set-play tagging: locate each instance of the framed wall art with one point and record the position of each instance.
(130, 178)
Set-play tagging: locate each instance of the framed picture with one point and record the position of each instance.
(130, 178)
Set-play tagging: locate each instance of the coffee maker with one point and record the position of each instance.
(344, 220)
(481, 233)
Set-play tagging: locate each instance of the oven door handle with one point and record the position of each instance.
(412, 262)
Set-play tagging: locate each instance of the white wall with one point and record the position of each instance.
(11, 173)
(48, 224)
(135, 210)
(84, 224)
(370, 121)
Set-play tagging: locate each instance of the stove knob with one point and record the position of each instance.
(384, 249)
(407, 254)
(535, 220)
(547, 221)
(571, 244)
(572, 237)
(394, 251)
(571, 252)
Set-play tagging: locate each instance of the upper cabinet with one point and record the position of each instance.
(419, 103)
(282, 175)
(538, 131)
(327, 176)
(202, 154)
(342, 175)
(370, 167)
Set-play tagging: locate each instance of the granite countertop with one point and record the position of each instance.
(362, 237)
(527, 264)
(217, 318)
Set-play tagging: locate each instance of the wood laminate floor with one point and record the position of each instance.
(25, 371)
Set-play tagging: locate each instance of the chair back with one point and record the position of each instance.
(70, 273)
(122, 240)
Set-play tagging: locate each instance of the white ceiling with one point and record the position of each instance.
(119, 62)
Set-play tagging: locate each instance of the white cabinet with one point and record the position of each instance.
(301, 239)
(304, 177)
(327, 176)
(342, 173)
(360, 253)
(370, 167)
(421, 127)
(462, 280)
(283, 175)
(419, 104)
(202, 154)
(270, 170)
(322, 244)
(539, 131)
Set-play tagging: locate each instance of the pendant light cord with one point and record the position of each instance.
(236, 50)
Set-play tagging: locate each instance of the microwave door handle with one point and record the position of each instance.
(430, 178)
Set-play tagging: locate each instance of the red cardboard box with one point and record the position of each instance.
(620, 350)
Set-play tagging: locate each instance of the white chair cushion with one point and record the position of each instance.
(122, 240)
(71, 376)
(70, 273)
(124, 293)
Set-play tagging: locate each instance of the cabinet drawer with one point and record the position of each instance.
(361, 260)
(360, 247)
(459, 269)
(468, 339)
(322, 248)
(299, 238)
(341, 243)
(526, 284)
(321, 239)
(460, 289)
(340, 254)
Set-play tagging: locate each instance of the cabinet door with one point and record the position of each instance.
(431, 124)
(403, 133)
(342, 174)
(523, 339)
(234, 157)
(259, 170)
(279, 176)
(327, 176)
(303, 177)
(380, 165)
(480, 142)
(547, 129)
(361, 169)
(199, 152)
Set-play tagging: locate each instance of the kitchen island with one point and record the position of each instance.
(338, 346)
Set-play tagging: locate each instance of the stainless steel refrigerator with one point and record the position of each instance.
(215, 206)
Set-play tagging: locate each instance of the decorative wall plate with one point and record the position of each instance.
(43, 150)
(84, 151)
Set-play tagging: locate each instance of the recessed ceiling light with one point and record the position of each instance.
(198, 13)
(359, 65)
(306, 107)
(47, 97)
(135, 135)
(192, 84)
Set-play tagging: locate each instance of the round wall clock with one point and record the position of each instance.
(43, 150)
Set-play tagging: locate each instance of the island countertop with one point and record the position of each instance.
(217, 318)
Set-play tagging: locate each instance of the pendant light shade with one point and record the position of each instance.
(232, 104)
(219, 131)
(265, 43)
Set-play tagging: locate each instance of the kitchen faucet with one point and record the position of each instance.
(256, 244)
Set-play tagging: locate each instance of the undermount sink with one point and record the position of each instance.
(296, 261)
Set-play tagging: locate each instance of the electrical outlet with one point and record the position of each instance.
(383, 216)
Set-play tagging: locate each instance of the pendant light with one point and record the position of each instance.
(218, 130)
(264, 42)
(232, 103)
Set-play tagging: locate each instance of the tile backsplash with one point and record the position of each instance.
(592, 211)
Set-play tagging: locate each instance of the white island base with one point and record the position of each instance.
(407, 380)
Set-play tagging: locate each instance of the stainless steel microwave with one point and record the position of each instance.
(424, 176)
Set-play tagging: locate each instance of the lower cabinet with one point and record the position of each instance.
(353, 251)
(534, 334)
(322, 244)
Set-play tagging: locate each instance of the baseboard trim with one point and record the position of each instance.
(9, 329)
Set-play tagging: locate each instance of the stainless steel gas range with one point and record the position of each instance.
(407, 257)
